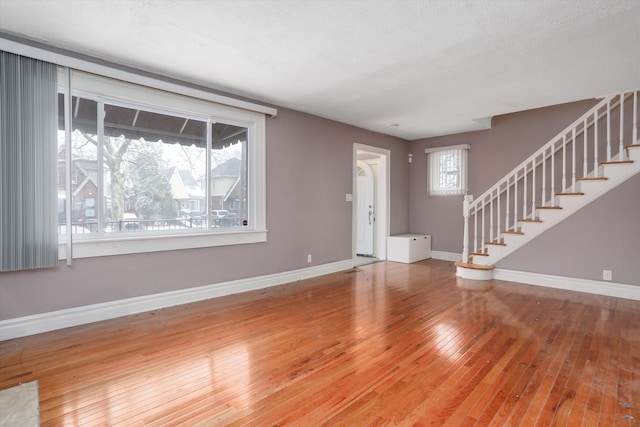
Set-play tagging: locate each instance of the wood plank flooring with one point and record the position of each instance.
(383, 344)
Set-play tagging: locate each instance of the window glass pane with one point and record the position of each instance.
(229, 190)
(152, 162)
(84, 189)
(62, 161)
(449, 171)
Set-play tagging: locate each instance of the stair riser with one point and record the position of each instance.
(550, 215)
(633, 153)
(494, 251)
(480, 260)
(529, 228)
(589, 187)
(512, 239)
(615, 172)
(569, 202)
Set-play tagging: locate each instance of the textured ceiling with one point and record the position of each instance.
(431, 67)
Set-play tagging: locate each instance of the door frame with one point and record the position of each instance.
(382, 196)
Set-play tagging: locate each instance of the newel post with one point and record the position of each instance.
(465, 213)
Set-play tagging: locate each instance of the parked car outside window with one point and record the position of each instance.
(218, 214)
(130, 221)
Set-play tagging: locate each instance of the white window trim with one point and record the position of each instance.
(464, 148)
(144, 243)
(92, 86)
(447, 148)
(103, 70)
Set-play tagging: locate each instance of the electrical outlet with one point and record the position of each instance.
(309, 259)
(606, 275)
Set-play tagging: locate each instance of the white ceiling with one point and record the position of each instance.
(432, 67)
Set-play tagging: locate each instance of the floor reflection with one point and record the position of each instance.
(370, 311)
(137, 387)
(482, 304)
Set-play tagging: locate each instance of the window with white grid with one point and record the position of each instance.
(447, 170)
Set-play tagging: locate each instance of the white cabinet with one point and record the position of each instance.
(408, 247)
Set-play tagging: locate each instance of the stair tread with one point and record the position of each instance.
(473, 266)
(513, 232)
(530, 220)
(479, 254)
(569, 194)
(593, 179)
(548, 207)
(618, 162)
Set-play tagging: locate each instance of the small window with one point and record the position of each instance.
(448, 170)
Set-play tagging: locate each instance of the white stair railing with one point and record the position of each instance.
(553, 169)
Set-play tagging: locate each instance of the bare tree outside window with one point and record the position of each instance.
(147, 171)
(449, 174)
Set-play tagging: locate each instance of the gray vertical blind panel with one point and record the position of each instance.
(28, 163)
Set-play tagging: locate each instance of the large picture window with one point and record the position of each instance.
(144, 163)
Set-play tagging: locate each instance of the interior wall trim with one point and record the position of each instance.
(446, 256)
(66, 58)
(612, 289)
(45, 322)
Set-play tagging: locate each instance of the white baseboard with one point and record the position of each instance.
(446, 256)
(598, 287)
(45, 322)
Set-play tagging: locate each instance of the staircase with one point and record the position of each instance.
(593, 155)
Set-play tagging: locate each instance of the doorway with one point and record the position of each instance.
(365, 208)
(370, 203)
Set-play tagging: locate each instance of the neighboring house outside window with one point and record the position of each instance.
(185, 191)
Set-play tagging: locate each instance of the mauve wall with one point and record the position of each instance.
(309, 171)
(494, 152)
(603, 235)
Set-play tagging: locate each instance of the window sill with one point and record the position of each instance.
(142, 244)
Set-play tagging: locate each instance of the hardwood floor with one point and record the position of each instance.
(386, 344)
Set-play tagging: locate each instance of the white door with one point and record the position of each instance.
(365, 217)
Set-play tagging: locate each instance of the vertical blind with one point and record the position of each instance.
(448, 170)
(28, 163)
